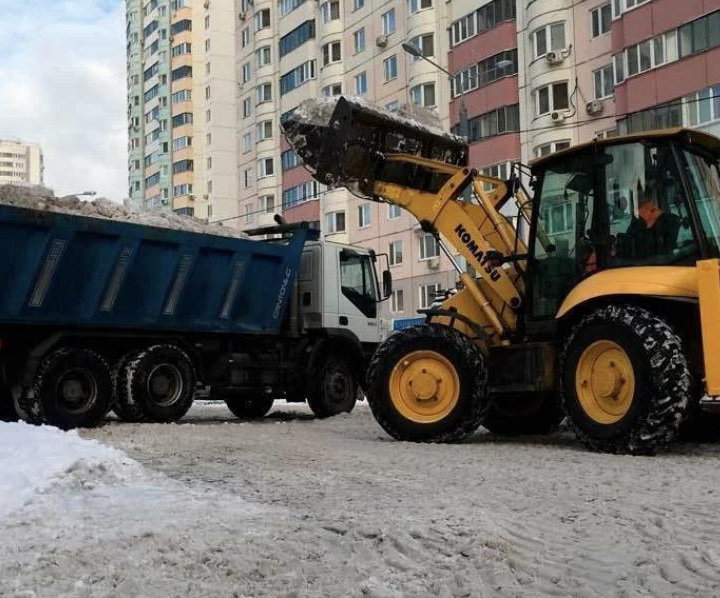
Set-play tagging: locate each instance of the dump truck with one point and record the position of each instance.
(99, 314)
(595, 298)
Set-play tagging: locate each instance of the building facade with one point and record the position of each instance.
(21, 163)
(182, 144)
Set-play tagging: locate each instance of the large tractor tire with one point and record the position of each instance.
(249, 408)
(428, 383)
(524, 414)
(8, 413)
(72, 389)
(626, 381)
(158, 383)
(333, 389)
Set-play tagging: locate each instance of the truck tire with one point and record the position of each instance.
(333, 389)
(428, 383)
(126, 410)
(160, 382)
(72, 389)
(626, 381)
(524, 414)
(248, 408)
(8, 413)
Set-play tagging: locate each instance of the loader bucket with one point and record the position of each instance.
(343, 141)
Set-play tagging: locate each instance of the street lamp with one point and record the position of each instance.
(463, 124)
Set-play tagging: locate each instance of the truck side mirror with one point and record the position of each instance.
(387, 283)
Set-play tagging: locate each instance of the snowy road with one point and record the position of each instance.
(297, 507)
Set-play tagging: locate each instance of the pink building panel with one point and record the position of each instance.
(503, 148)
(502, 37)
(295, 176)
(503, 92)
(309, 210)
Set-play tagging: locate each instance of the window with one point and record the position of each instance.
(651, 53)
(397, 301)
(496, 122)
(485, 18)
(263, 56)
(182, 166)
(601, 18)
(331, 53)
(287, 6)
(152, 180)
(263, 93)
(330, 11)
(704, 183)
(207, 21)
(394, 211)
(332, 90)
(395, 253)
(604, 83)
(359, 40)
(181, 143)
(266, 167)
(463, 29)
(300, 193)
(425, 44)
(297, 37)
(551, 98)
(427, 293)
(181, 49)
(184, 95)
(245, 36)
(423, 95)
(551, 37)
(358, 4)
(393, 106)
(550, 148)
(429, 247)
(246, 72)
(207, 45)
(297, 77)
(485, 72)
(181, 72)
(247, 107)
(264, 130)
(334, 222)
(180, 26)
(185, 189)
(207, 93)
(387, 22)
(247, 142)
(209, 163)
(361, 86)
(418, 5)
(248, 177)
(248, 214)
(262, 19)
(182, 119)
(364, 215)
(358, 283)
(266, 204)
(289, 159)
(390, 68)
(152, 93)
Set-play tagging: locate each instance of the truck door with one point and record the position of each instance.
(358, 299)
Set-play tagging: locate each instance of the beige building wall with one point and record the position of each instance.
(20, 163)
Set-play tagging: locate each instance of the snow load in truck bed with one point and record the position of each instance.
(25, 197)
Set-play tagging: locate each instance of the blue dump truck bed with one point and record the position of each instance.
(74, 271)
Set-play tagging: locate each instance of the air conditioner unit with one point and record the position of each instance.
(381, 41)
(242, 15)
(594, 107)
(557, 117)
(555, 57)
(206, 5)
(417, 229)
(206, 197)
(433, 263)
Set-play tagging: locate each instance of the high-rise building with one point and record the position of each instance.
(181, 106)
(20, 163)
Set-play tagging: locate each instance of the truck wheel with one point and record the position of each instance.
(7, 406)
(428, 383)
(333, 390)
(626, 381)
(250, 408)
(524, 414)
(126, 410)
(72, 389)
(160, 382)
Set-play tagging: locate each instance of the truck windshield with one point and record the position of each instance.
(704, 178)
(357, 280)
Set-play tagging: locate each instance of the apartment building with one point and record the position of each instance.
(297, 49)
(182, 148)
(20, 163)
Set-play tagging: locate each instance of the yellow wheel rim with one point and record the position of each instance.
(605, 382)
(424, 387)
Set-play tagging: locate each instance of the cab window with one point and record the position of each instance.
(357, 281)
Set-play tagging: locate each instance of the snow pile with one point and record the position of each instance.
(24, 197)
(34, 458)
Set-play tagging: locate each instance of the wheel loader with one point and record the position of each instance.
(591, 289)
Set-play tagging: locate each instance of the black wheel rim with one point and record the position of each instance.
(165, 385)
(76, 391)
(337, 387)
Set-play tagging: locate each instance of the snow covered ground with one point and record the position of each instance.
(293, 506)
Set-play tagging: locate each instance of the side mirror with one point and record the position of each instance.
(387, 283)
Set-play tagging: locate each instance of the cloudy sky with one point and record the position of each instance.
(62, 84)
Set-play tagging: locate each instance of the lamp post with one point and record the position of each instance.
(463, 124)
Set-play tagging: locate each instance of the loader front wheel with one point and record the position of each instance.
(428, 383)
(626, 381)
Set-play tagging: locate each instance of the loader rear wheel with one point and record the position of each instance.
(160, 382)
(72, 389)
(250, 407)
(334, 389)
(524, 414)
(428, 383)
(626, 381)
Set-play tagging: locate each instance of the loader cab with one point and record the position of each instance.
(638, 201)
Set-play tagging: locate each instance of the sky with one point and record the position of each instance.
(62, 84)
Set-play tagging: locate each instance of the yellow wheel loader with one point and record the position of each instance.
(596, 299)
